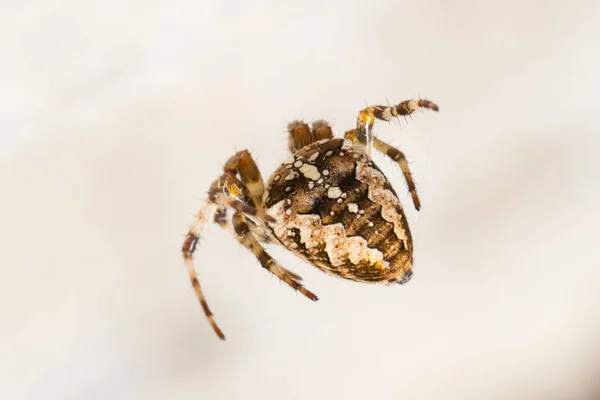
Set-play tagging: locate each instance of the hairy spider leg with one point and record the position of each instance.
(245, 236)
(362, 134)
(397, 156)
(243, 165)
(244, 195)
(226, 191)
(301, 134)
(367, 116)
(221, 220)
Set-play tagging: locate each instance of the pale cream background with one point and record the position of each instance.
(115, 116)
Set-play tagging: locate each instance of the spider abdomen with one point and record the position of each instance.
(336, 209)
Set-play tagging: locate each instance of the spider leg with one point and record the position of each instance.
(189, 246)
(229, 191)
(363, 135)
(243, 164)
(367, 116)
(226, 191)
(396, 155)
(321, 130)
(220, 217)
(399, 157)
(242, 229)
(228, 227)
(258, 231)
(291, 274)
(389, 112)
(301, 134)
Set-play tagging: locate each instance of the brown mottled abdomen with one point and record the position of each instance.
(337, 210)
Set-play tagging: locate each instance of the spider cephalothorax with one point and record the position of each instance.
(327, 203)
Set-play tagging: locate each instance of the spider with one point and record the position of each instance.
(328, 203)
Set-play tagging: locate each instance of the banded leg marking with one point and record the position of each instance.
(399, 157)
(366, 117)
(246, 237)
(229, 191)
(243, 164)
(188, 248)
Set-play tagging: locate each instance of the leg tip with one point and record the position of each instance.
(219, 334)
(309, 294)
(217, 330)
(428, 104)
(416, 200)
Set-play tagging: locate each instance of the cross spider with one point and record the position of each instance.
(328, 203)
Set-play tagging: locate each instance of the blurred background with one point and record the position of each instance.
(115, 116)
